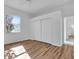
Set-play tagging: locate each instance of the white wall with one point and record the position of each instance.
(25, 29)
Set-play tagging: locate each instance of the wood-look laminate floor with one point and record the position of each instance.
(40, 50)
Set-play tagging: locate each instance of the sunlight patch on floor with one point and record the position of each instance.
(18, 52)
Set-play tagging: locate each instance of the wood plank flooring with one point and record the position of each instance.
(40, 50)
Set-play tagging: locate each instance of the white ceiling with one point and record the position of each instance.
(36, 6)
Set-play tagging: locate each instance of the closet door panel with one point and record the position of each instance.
(36, 30)
(46, 31)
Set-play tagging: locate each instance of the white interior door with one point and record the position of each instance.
(36, 30)
(46, 31)
(52, 30)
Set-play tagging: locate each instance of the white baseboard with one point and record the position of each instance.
(68, 42)
(8, 42)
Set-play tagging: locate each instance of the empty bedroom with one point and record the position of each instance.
(38, 29)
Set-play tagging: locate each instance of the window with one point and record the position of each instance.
(13, 23)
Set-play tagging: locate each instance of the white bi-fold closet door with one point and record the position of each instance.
(36, 29)
(48, 28)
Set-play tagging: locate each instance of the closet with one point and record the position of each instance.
(48, 28)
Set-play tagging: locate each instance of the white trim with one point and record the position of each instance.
(68, 42)
(45, 15)
(13, 41)
(64, 29)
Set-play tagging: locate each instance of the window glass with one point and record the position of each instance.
(13, 23)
